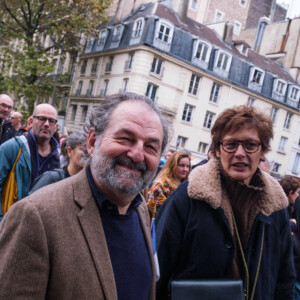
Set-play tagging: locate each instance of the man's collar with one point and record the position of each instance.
(102, 200)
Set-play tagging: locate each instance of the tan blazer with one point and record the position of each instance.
(52, 245)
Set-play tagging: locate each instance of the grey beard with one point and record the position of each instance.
(108, 174)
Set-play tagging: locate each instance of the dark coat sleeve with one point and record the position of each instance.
(170, 226)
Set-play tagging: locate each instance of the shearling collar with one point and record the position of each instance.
(205, 184)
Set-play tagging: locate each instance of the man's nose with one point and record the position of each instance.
(136, 152)
(47, 122)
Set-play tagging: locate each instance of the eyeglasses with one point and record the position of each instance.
(6, 106)
(43, 120)
(249, 146)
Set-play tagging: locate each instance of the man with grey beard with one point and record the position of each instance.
(88, 236)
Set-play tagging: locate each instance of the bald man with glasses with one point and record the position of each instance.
(39, 151)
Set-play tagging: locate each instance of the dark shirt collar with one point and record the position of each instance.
(103, 202)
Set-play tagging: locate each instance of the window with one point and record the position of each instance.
(194, 4)
(108, 66)
(223, 60)
(194, 84)
(73, 114)
(104, 90)
(156, 66)
(83, 67)
(94, 66)
(214, 94)
(181, 141)
(90, 89)
(294, 92)
(78, 91)
(296, 164)
(257, 77)
(151, 91)
(117, 33)
(276, 167)
(202, 148)
(237, 27)
(287, 121)
(137, 28)
(128, 63)
(84, 113)
(125, 84)
(243, 2)
(164, 33)
(280, 87)
(218, 16)
(209, 117)
(187, 113)
(274, 114)
(102, 37)
(201, 52)
(281, 147)
(251, 101)
(244, 49)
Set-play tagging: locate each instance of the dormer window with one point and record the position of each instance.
(257, 76)
(237, 27)
(202, 52)
(244, 49)
(102, 37)
(117, 30)
(164, 33)
(223, 61)
(280, 87)
(294, 93)
(137, 28)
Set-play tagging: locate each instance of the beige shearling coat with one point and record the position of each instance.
(52, 245)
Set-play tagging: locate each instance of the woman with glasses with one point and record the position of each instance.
(229, 220)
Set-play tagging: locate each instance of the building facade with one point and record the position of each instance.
(190, 72)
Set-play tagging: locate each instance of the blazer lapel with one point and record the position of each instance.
(92, 228)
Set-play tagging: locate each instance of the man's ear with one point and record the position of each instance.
(30, 120)
(91, 141)
(217, 153)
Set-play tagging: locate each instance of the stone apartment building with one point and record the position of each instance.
(190, 72)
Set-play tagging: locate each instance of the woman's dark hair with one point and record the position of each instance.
(289, 183)
(235, 118)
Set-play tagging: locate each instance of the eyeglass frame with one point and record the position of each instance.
(50, 120)
(241, 143)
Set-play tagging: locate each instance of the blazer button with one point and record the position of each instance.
(228, 245)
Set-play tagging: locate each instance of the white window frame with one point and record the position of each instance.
(194, 85)
(220, 13)
(253, 76)
(149, 91)
(102, 37)
(202, 148)
(273, 114)
(282, 144)
(194, 4)
(296, 163)
(187, 113)
(138, 27)
(287, 121)
(294, 93)
(276, 167)
(280, 87)
(169, 36)
(207, 54)
(221, 58)
(181, 141)
(156, 66)
(251, 101)
(215, 92)
(117, 30)
(237, 26)
(209, 119)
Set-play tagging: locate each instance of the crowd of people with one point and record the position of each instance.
(75, 218)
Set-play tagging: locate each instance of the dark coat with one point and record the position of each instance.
(195, 240)
(7, 132)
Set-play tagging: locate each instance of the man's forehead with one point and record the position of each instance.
(6, 100)
(45, 111)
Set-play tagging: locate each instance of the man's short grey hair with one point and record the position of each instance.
(101, 115)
